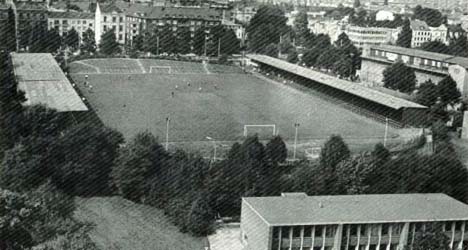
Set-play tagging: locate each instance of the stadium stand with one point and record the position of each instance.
(357, 98)
(44, 82)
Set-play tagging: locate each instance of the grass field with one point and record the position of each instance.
(225, 103)
(122, 225)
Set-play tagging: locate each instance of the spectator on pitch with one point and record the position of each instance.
(172, 93)
(86, 77)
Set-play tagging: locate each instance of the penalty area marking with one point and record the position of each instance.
(273, 126)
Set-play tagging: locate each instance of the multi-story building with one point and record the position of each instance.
(427, 65)
(243, 14)
(29, 15)
(296, 221)
(367, 36)
(190, 18)
(424, 33)
(109, 17)
(330, 27)
(65, 21)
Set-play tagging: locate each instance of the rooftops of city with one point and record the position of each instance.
(184, 12)
(350, 209)
(71, 15)
(31, 6)
(418, 25)
(44, 82)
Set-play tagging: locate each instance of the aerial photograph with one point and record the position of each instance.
(234, 124)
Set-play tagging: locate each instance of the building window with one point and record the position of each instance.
(105, 19)
(307, 231)
(120, 37)
(296, 232)
(285, 232)
(84, 21)
(458, 225)
(114, 19)
(276, 232)
(385, 229)
(318, 231)
(121, 19)
(120, 27)
(105, 27)
(330, 231)
(354, 230)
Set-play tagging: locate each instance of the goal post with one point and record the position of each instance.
(160, 69)
(257, 127)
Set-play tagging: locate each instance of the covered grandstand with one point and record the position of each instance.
(364, 100)
(44, 82)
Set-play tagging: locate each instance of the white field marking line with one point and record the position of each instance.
(141, 66)
(107, 73)
(161, 67)
(205, 66)
(98, 71)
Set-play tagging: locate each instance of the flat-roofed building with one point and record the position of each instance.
(427, 65)
(65, 21)
(44, 82)
(349, 222)
(367, 36)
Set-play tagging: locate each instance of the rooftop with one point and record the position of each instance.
(184, 12)
(351, 209)
(347, 86)
(419, 25)
(44, 82)
(71, 15)
(31, 6)
(462, 61)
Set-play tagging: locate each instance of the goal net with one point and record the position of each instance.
(264, 131)
(160, 69)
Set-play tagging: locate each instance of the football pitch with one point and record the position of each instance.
(201, 104)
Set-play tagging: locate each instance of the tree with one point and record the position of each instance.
(352, 174)
(329, 57)
(357, 4)
(9, 34)
(292, 56)
(301, 28)
(137, 44)
(72, 40)
(38, 39)
(136, 166)
(400, 77)
(88, 44)
(333, 152)
(11, 109)
(380, 155)
(276, 150)
(84, 157)
(432, 17)
(310, 56)
(55, 40)
(432, 238)
(435, 46)
(271, 50)
(405, 36)
(266, 27)
(229, 43)
(109, 44)
(183, 41)
(440, 132)
(427, 94)
(459, 46)
(343, 67)
(199, 41)
(201, 217)
(448, 91)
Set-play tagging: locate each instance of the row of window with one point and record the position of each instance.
(368, 32)
(114, 19)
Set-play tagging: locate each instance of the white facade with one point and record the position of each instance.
(423, 33)
(439, 33)
(332, 28)
(106, 20)
(366, 36)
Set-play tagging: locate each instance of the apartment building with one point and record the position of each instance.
(368, 36)
(65, 21)
(295, 221)
(427, 65)
(109, 17)
(30, 15)
(424, 33)
(243, 14)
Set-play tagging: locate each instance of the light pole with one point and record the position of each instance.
(167, 132)
(296, 126)
(386, 131)
(214, 145)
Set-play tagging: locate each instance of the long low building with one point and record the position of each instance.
(402, 111)
(427, 65)
(349, 222)
(44, 82)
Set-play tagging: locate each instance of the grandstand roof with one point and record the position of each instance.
(44, 82)
(347, 86)
(413, 52)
